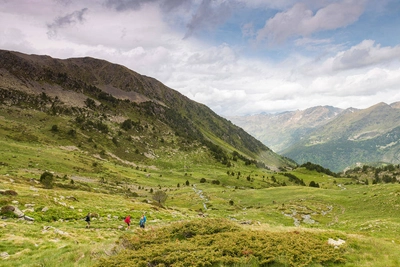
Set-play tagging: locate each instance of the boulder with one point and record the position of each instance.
(17, 212)
(28, 218)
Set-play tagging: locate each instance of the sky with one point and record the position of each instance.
(238, 57)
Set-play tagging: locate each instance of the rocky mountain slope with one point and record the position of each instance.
(335, 138)
(100, 95)
(282, 130)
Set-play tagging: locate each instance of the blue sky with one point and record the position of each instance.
(238, 57)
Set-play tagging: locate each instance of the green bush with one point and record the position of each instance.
(219, 242)
(46, 179)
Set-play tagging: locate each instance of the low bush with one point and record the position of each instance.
(9, 193)
(212, 242)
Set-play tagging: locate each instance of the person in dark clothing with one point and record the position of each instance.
(87, 219)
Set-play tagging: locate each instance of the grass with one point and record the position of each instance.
(249, 206)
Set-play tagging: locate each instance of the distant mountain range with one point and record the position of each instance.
(331, 137)
(116, 102)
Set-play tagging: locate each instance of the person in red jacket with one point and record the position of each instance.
(128, 221)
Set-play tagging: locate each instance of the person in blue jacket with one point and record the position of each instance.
(142, 222)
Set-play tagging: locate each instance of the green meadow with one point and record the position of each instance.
(238, 221)
(214, 214)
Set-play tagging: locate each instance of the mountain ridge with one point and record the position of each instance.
(344, 139)
(92, 84)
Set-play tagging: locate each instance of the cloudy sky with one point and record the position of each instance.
(238, 57)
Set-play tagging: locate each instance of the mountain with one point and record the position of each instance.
(105, 97)
(340, 138)
(282, 130)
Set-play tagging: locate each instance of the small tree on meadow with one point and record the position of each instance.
(46, 179)
(160, 197)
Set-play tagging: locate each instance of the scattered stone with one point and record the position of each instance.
(15, 202)
(17, 212)
(45, 209)
(45, 228)
(29, 205)
(71, 207)
(336, 243)
(58, 231)
(4, 255)
(307, 219)
(28, 218)
(34, 188)
(72, 198)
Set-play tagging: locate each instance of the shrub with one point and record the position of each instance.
(202, 180)
(216, 242)
(160, 196)
(8, 211)
(9, 193)
(46, 179)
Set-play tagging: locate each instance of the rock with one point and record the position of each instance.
(58, 231)
(4, 255)
(336, 243)
(28, 218)
(29, 205)
(45, 228)
(34, 188)
(17, 212)
(45, 209)
(15, 202)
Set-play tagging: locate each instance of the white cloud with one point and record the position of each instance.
(148, 39)
(365, 54)
(301, 21)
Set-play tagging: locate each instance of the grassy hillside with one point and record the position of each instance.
(96, 91)
(234, 223)
(288, 225)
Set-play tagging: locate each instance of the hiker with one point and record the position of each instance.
(128, 221)
(142, 222)
(87, 219)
